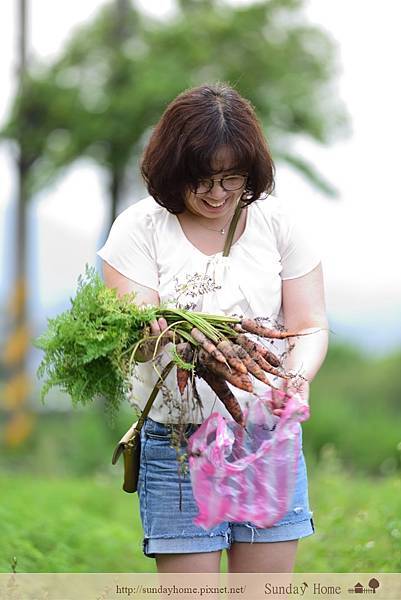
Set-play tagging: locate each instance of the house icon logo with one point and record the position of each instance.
(359, 589)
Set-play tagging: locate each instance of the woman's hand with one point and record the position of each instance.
(143, 295)
(289, 388)
(304, 312)
(147, 350)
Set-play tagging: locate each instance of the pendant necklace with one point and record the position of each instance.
(222, 230)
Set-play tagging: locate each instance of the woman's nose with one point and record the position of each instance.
(217, 191)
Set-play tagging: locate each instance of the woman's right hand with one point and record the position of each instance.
(143, 295)
(147, 350)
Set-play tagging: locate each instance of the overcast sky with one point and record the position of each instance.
(358, 234)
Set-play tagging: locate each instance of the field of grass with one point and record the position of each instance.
(90, 525)
(62, 508)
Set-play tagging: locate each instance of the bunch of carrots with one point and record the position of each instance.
(233, 360)
(91, 349)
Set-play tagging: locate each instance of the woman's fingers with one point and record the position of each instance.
(157, 327)
(278, 397)
(147, 349)
(301, 388)
(162, 323)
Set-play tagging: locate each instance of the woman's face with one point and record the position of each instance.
(216, 204)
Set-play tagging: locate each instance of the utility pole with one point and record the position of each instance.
(19, 422)
(121, 32)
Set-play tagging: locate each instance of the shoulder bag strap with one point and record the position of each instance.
(232, 228)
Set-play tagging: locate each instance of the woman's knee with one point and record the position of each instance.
(200, 562)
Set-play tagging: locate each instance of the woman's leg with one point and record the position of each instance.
(201, 562)
(262, 557)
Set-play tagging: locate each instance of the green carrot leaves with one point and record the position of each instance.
(89, 350)
(85, 347)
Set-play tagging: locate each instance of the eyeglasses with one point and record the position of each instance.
(229, 183)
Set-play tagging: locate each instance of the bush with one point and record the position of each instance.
(355, 407)
(77, 443)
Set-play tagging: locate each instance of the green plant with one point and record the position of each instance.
(90, 349)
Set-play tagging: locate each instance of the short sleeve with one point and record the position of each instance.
(129, 247)
(297, 246)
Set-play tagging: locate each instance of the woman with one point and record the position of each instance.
(206, 155)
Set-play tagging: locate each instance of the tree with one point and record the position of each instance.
(115, 77)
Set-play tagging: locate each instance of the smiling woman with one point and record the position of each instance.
(205, 131)
(210, 204)
(207, 162)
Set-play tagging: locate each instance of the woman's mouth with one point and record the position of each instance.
(214, 205)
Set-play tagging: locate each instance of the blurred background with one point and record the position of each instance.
(82, 85)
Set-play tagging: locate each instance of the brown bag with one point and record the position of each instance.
(130, 447)
(130, 443)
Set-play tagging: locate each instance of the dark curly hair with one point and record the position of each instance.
(193, 127)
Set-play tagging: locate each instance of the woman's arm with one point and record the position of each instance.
(123, 285)
(144, 295)
(304, 311)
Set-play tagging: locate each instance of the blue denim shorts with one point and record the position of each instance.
(167, 505)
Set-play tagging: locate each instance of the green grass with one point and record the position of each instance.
(62, 508)
(90, 525)
(358, 522)
(69, 525)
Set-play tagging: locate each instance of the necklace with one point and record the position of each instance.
(222, 230)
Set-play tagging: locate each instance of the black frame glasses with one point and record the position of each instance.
(204, 186)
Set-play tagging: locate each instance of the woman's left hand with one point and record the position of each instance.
(289, 388)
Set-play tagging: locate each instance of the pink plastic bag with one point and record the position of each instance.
(246, 476)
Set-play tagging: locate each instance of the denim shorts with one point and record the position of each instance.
(167, 505)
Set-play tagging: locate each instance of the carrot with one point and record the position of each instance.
(182, 379)
(185, 352)
(252, 365)
(227, 349)
(255, 349)
(239, 380)
(208, 345)
(270, 369)
(237, 327)
(223, 392)
(253, 326)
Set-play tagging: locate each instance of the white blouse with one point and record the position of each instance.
(147, 245)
